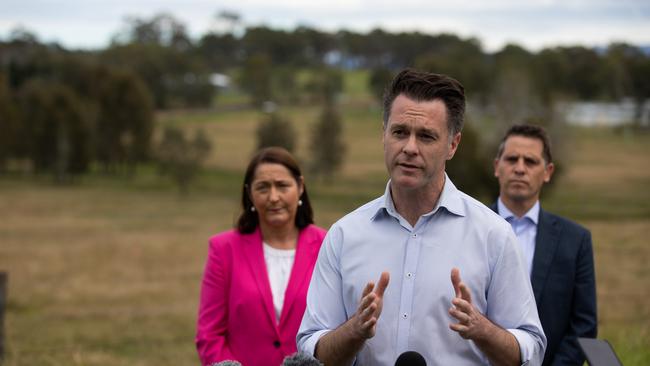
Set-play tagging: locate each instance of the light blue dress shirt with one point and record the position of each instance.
(525, 228)
(459, 232)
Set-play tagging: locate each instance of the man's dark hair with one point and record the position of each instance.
(423, 87)
(530, 131)
(248, 220)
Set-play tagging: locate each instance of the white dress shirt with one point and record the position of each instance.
(525, 228)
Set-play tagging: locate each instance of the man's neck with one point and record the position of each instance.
(413, 203)
(518, 207)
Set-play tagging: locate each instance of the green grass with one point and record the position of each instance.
(107, 271)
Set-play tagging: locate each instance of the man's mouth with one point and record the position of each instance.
(408, 166)
(519, 182)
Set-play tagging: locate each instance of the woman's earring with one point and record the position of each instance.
(299, 202)
(252, 208)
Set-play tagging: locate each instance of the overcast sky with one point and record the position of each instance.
(533, 24)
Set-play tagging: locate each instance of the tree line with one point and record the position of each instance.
(63, 110)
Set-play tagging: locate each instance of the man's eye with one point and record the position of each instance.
(530, 162)
(399, 132)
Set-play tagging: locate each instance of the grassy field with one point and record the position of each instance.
(107, 272)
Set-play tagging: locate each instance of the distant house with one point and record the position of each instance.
(606, 114)
(220, 81)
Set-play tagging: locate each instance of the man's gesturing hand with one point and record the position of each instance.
(471, 324)
(372, 300)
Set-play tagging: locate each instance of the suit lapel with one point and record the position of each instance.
(546, 243)
(300, 272)
(255, 258)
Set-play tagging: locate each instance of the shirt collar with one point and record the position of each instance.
(532, 214)
(450, 199)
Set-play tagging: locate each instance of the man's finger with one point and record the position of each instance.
(455, 280)
(367, 300)
(382, 284)
(366, 290)
(462, 305)
(466, 295)
(459, 315)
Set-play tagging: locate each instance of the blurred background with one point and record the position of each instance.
(125, 128)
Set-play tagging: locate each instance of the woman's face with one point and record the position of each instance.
(275, 194)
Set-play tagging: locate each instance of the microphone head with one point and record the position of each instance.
(410, 358)
(301, 359)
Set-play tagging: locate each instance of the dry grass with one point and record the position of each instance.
(108, 273)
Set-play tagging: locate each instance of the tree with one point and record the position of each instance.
(325, 84)
(9, 124)
(125, 121)
(379, 80)
(181, 158)
(160, 52)
(472, 71)
(54, 129)
(274, 130)
(470, 169)
(629, 69)
(327, 147)
(256, 78)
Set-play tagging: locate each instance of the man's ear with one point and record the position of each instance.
(548, 172)
(453, 146)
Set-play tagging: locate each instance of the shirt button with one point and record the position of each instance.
(409, 275)
(415, 235)
(276, 344)
(405, 315)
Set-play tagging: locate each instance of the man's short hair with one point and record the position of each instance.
(530, 131)
(423, 87)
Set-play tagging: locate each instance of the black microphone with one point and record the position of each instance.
(300, 359)
(410, 358)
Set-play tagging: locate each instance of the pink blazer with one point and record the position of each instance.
(236, 316)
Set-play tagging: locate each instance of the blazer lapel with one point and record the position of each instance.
(255, 258)
(300, 272)
(546, 244)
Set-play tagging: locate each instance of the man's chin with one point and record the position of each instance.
(406, 182)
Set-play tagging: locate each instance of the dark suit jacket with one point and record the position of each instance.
(564, 285)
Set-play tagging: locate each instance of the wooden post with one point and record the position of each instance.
(3, 304)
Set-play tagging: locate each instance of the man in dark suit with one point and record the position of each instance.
(558, 252)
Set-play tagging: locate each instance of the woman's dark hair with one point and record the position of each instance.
(248, 220)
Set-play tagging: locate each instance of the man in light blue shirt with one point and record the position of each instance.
(452, 282)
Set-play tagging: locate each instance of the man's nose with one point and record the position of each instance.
(411, 146)
(520, 166)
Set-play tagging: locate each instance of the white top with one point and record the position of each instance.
(278, 266)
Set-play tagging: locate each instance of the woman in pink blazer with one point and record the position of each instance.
(256, 276)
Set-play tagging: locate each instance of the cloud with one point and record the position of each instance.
(531, 23)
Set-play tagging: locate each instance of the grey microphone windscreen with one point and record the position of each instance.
(226, 363)
(300, 359)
